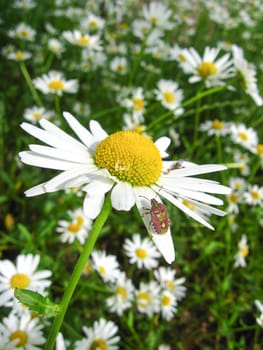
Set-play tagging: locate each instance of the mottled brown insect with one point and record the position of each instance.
(159, 216)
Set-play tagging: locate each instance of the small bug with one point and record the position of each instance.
(177, 165)
(159, 216)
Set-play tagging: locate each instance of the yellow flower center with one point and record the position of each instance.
(217, 125)
(56, 85)
(169, 97)
(207, 68)
(255, 195)
(20, 336)
(166, 300)
(130, 157)
(24, 34)
(83, 41)
(141, 253)
(243, 135)
(20, 55)
(244, 251)
(19, 280)
(120, 68)
(154, 20)
(98, 344)
(138, 104)
(143, 298)
(260, 149)
(102, 270)
(169, 284)
(121, 291)
(75, 226)
(233, 198)
(37, 115)
(93, 24)
(182, 57)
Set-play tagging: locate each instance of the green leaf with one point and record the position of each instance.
(37, 302)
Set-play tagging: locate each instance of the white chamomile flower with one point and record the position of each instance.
(244, 136)
(92, 23)
(77, 228)
(19, 55)
(106, 265)
(76, 37)
(35, 113)
(103, 335)
(22, 275)
(125, 163)
(215, 127)
(254, 195)
(136, 102)
(208, 68)
(169, 95)
(24, 4)
(119, 65)
(157, 14)
(166, 277)
(243, 250)
(168, 304)
(247, 73)
(20, 331)
(123, 294)
(148, 298)
(22, 31)
(55, 46)
(141, 252)
(54, 82)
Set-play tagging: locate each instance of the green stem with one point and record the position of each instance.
(87, 249)
(30, 84)
(197, 97)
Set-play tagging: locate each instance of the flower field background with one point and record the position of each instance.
(186, 74)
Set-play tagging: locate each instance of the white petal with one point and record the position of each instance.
(92, 205)
(123, 196)
(162, 144)
(84, 135)
(99, 133)
(197, 170)
(164, 243)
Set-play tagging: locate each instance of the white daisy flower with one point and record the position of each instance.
(103, 335)
(22, 31)
(24, 4)
(166, 277)
(76, 37)
(22, 275)
(237, 183)
(233, 201)
(35, 113)
(157, 14)
(20, 331)
(129, 165)
(141, 252)
(119, 65)
(148, 298)
(55, 83)
(215, 127)
(92, 22)
(136, 102)
(247, 74)
(19, 55)
(169, 95)
(168, 304)
(78, 227)
(254, 195)
(243, 250)
(244, 136)
(106, 265)
(122, 297)
(208, 68)
(55, 46)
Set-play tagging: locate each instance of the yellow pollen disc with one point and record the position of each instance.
(20, 336)
(217, 125)
(56, 85)
(121, 291)
(102, 270)
(182, 57)
(166, 300)
(141, 253)
(169, 284)
(92, 24)
(138, 104)
(169, 97)
(154, 20)
(207, 68)
(20, 55)
(19, 280)
(83, 40)
(98, 344)
(24, 34)
(123, 25)
(255, 195)
(243, 136)
(244, 251)
(143, 298)
(260, 149)
(130, 157)
(233, 198)
(37, 115)
(75, 226)
(120, 68)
